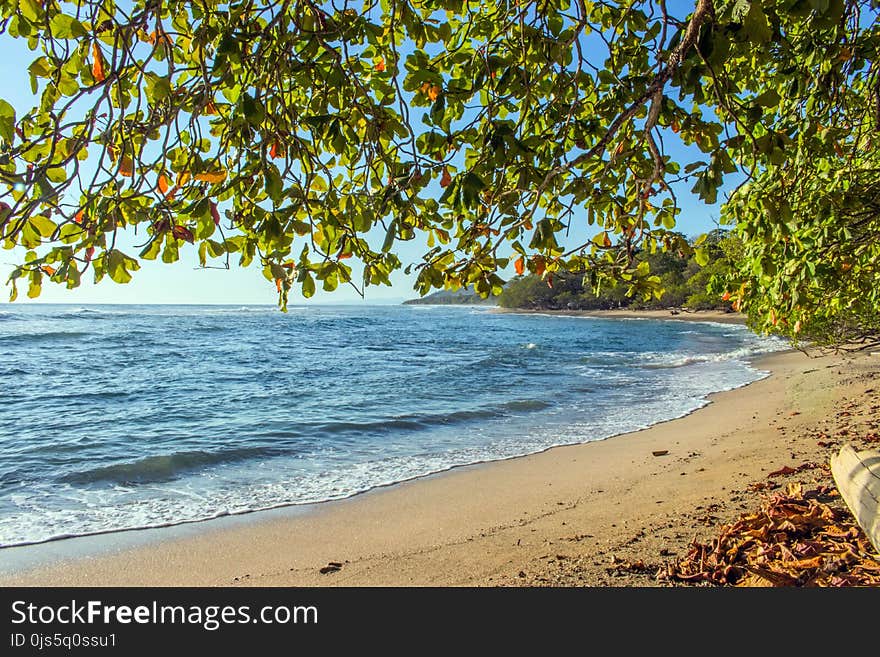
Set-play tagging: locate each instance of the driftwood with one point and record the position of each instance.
(857, 475)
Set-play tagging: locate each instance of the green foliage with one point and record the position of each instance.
(682, 282)
(299, 135)
(460, 297)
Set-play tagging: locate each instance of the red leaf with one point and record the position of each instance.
(540, 265)
(126, 166)
(89, 253)
(784, 470)
(446, 178)
(215, 214)
(183, 233)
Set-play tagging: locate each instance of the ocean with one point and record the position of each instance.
(125, 417)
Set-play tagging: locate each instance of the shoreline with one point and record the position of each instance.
(97, 542)
(712, 316)
(495, 523)
(149, 533)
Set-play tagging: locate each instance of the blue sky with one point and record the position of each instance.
(185, 282)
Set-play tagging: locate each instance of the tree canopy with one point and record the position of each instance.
(545, 134)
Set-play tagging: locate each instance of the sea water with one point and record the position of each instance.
(123, 417)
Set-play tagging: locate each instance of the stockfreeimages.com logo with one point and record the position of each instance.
(210, 617)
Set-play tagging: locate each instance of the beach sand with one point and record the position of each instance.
(562, 517)
(718, 316)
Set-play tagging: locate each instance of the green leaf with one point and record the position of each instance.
(31, 10)
(756, 24)
(151, 250)
(66, 27)
(56, 174)
(308, 286)
(274, 184)
(769, 98)
(158, 88)
(36, 285)
(390, 234)
(118, 265)
(253, 110)
(44, 226)
(7, 121)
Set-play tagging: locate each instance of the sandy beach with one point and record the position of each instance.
(561, 517)
(717, 316)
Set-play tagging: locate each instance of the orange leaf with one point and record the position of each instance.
(550, 282)
(343, 256)
(78, 217)
(163, 185)
(126, 166)
(156, 36)
(434, 92)
(211, 176)
(528, 224)
(49, 270)
(97, 63)
(446, 178)
(211, 108)
(520, 265)
(619, 149)
(725, 296)
(183, 233)
(278, 285)
(215, 214)
(380, 64)
(183, 178)
(675, 126)
(277, 150)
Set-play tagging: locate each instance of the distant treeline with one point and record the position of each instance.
(683, 279)
(453, 298)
